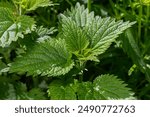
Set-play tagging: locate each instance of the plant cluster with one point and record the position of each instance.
(44, 57)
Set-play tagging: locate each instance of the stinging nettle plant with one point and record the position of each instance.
(82, 37)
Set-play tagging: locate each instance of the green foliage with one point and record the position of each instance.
(88, 36)
(85, 91)
(74, 59)
(34, 4)
(17, 90)
(44, 33)
(50, 58)
(31, 5)
(109, 87)
(58, 91)
(103, 87)
(130, 46)
(12, 26)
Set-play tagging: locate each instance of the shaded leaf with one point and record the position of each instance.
(58, 91)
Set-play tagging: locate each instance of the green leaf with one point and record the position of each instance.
(12, 27)
(85, 91)
(75, 37)
(103, 31)
(58, 91)
(110, 87)
(7, 4)
(87, 35)
(36, 94)
(80, 15)
(49, 58)
(34, 4)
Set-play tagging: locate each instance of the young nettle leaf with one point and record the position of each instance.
(110, 87)
(31, 5)
(49, 58)
(12, 27)
(80, 15)
(92, 35)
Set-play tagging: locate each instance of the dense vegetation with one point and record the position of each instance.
(74, 49)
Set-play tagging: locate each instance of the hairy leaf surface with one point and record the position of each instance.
(80, 15)
(110, 87)
(75, 37)
(50, 58)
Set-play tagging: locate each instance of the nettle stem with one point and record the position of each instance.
(81, 68)
(89, 5)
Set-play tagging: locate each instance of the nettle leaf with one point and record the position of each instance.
(49, 58)
(92, 35)
(80, 15)
(11, 27)
(34, 4)
(85, 91)
(58, 91)
(75, 37)
(110, 87)
(103, 31)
